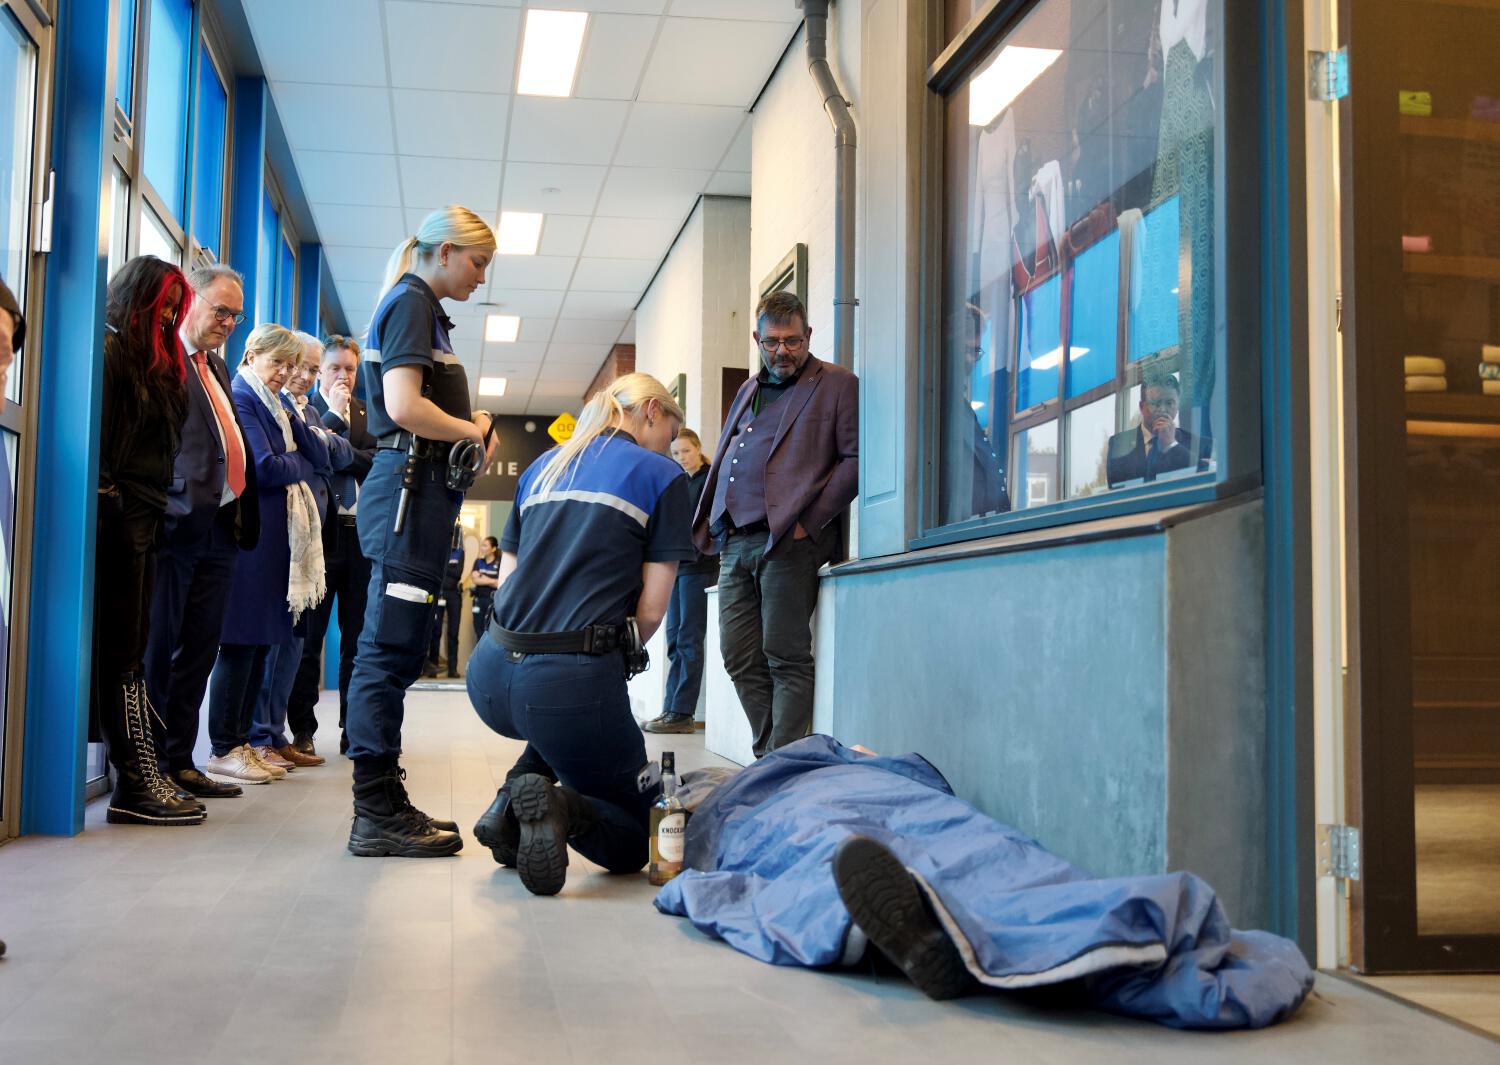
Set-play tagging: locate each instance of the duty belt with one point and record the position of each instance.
(425, 449)
(590, 640)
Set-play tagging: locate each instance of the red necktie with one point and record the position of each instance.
(234, 451)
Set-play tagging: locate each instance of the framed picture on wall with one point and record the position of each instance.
(790, 275)
(678, 388)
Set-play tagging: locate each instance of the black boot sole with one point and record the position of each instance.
(542, 853)
(492, 833)
(120, 816)
(886, 903)
(384, 847)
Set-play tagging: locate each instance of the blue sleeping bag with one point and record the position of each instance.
(1160, 947)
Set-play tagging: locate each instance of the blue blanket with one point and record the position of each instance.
(1149, 946)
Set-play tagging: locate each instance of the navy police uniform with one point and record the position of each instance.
(484, 594)
(406, 568)
(580, 548)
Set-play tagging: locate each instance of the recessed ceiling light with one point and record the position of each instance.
(501, 328)
(549, 58)
(997, 85)
(520, 233)
(492, 386)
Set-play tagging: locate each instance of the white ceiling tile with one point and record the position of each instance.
(576, 188)
(631, 238)
(517, 357)
(467, 348)
(649, 192)
(614, 56)
(528, 303)
(337, 118)
(292, 39)
(538, 330)
(713, 62)
(530, 271)
(458, 47)
(761, 10)
(360, 293)
(614, 275)
(565, 131)
(729, 183)
(349, 177)
(624, 7)
(475, 183)
(560, 354)
(562, 234)
(627, 335)
(451, 125)
(586, 331)
(416, 215)
(569, 385)
(363, 227)
(682, 135)
(615, 305)
(738, 157)
(508, 403)
(356, 264)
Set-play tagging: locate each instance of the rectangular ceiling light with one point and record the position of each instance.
(520, 233)
(502, 328)
(492, 386)
(549, 58)
(997, 85)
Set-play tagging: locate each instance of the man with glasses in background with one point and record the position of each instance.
(786, 468)
(212, 515)
(1156, 445)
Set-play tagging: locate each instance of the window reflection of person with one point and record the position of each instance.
(1156, 445)
(988, 493)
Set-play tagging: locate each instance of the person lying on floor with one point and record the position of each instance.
(816, 847)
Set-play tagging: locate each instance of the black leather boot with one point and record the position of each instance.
(441, 826)
(498, 829)
(548, 815)
(142, 795)
(387, 825)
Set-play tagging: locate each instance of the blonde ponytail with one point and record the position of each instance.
(453, 224)
(623, 396)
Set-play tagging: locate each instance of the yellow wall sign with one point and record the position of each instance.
(561, 429)
(1416, 104)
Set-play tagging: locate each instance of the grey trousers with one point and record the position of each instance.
(765, 633)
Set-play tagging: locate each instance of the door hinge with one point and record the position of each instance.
(1338, 851)
(44, 221)
(1328, 75)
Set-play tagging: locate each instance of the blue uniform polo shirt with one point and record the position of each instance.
(580, 547)
(411, 329)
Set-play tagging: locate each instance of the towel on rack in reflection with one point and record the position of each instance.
(1426, 383)
(1425, 364)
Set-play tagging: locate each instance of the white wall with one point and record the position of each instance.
(669, 321)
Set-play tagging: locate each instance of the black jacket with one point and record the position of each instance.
(198, 474)
(1128, 460)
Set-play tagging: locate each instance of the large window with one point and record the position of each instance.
(18, 72)
(210, 118)
(168, 66)
(1082, 350)
(125, 57)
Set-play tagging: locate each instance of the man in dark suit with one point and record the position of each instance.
(1156, 446)
(211, 516)
(348, 570)
(787, 466)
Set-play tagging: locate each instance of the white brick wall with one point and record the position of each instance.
(669, 321)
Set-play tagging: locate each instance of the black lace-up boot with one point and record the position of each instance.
(548, 815)
(441, 826)
(142, 795)
(387, 825)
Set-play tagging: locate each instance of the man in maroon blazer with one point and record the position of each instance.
(786, 467)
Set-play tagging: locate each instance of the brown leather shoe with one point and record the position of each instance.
(297, 758)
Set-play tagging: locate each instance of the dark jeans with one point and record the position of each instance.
(574, 712)
(483, 606)
(765, 633)
(124, 574)
(187, 614)
(450, 609)
(232, 692)
(268, 721)
(349, 581)
(406, 575)
(687, 622)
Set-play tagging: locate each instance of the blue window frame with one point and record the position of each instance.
(208, 163)
(286, 286)
(170, 52)
(125, 57)
(265, 264)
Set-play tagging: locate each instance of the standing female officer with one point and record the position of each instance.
(417, 396)
(597, 531)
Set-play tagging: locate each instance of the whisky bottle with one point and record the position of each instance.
(668, 825)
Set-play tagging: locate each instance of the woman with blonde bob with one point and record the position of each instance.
(417, 399)
(593, 542)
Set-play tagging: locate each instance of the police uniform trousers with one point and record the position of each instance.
(450, 610)
(483, 606)
(406, 578)
(348, 574)
(574, 712)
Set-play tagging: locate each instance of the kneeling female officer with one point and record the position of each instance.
(417, 396)
(598, 528)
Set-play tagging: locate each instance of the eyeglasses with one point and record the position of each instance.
(792, 344)
(224, 314)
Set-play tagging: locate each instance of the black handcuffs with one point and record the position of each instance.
(466, 459)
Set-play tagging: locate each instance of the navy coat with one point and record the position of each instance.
(257, 611)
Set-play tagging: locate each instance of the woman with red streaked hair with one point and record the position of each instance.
(145, 401)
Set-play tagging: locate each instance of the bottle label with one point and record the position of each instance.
(671, 835)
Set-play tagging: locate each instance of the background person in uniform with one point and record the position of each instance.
(786, 467)
(268, 724)
(484, 578)
(1156, 445)
(347, 570)
(212, 515)
(145, 396)
(597, 531)
(687, 614)
(282, 577)
(450, 609)
(418, 397)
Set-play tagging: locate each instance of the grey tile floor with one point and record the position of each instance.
(257, 938)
